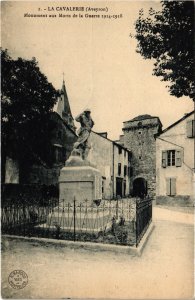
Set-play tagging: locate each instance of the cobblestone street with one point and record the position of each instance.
(164, 271)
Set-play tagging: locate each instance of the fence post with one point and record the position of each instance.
(74, 216)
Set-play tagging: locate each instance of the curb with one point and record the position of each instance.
(145, 238)
(88, 245)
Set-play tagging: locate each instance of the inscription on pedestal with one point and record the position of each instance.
(82, 183)
(76, 190)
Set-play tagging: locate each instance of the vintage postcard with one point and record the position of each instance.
(97, 155)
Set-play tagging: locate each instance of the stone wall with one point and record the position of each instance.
(41, 175)
(139, 138)
(62, 135)
(179, 200)
(62, 138)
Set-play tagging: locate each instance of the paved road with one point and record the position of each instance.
(164, 271)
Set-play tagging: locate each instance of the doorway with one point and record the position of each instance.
(119, 187)
(140, 187)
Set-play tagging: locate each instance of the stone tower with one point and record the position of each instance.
(63, 108)
(139, 137)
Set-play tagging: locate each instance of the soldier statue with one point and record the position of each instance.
(82, 146)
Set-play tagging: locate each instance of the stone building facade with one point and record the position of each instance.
(139, 138)
(175, 163)
(113, 161)
(61, 135)
(121, 165)
(62, 138)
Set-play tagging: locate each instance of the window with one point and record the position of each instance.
(191, 128)
(102, 186)
(124, 188)
(129, 156)
(119, 150)
(171, 158)
(119, 169)
(171, 186)
(125, 170)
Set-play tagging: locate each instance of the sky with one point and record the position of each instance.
(102, 70)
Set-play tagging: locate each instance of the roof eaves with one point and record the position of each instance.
(111, 141)
(132, 120)
(177, 122)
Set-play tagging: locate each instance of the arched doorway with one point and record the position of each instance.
(140, 188)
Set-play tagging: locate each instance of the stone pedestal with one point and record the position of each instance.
(80, 186)
(80, 183)
(81, 219)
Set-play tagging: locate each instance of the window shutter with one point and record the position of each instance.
(178, 158)
(173, 186)
(190, 128)
(164, 159)
(168, 189)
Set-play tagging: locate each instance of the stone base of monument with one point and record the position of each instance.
(86, 221)
(80, 183)
(80, 186)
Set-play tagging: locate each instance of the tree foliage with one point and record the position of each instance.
(167, 37)
(26, 93)
(27, 99)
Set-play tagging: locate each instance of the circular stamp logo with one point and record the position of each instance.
(18, 279)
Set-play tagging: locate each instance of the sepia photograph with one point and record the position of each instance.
(97, 149)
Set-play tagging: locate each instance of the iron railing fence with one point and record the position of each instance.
(113, 222)
(143, 217)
